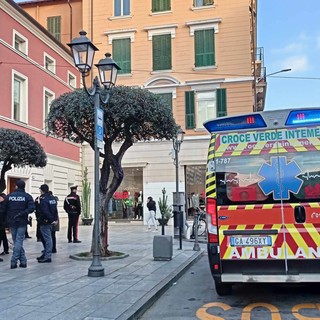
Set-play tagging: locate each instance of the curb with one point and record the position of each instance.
(139, 308)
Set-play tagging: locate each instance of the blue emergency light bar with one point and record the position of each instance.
(303, 117)
(251, 121)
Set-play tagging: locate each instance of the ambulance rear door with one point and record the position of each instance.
(299, 166)
(250, 220)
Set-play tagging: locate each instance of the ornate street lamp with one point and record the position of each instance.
(177, 141)
(83, 53)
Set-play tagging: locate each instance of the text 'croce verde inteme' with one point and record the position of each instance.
(302, 133)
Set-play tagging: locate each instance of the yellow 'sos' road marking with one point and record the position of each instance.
(275, 315)
(296, 308)
(202, 312)
(246, 313)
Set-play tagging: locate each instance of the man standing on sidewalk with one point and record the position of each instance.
(18, 206)
(48, 218)
(72, 206)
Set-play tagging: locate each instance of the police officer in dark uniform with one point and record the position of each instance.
(72, 206)
(18, 205)
(47, 217)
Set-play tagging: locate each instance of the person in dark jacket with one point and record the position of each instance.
(72, 206)
(151, 204)
(37, 211)
(47, 218)
(55, 228)
(18, 205)
(3, 224)
(3, 235)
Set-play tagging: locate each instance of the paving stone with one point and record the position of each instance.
(62, 289)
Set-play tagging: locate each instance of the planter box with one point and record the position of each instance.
(162, 247)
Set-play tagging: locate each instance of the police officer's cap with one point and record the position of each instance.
(73, 187)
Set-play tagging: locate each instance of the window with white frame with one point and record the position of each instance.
(204, 41)
(49, 63)
(20, 42)
(203, 105)
(121, 52)
(48, 97)
(121, 8)
(166, 98)
(161, 5)
(201, 3)
(161, 52)
(54, 26)
(19, 97)
(161, 45)
(72, 80)
(206, 107)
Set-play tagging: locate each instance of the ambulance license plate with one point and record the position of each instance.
(250, 241)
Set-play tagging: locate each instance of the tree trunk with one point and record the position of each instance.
(108, 188)
(5, 167)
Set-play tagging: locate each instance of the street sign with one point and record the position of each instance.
(99, 128)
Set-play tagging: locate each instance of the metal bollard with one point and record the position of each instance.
(196, 246)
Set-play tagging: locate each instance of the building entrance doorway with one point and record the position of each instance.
(127, 200)
(195, 187)
(11, 185)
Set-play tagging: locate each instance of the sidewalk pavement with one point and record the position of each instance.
(62, 289)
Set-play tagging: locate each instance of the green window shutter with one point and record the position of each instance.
(54, 26)
(155, 5)
(161, 5)
(221, 102)
(189, 104)
(204, 48)
(161, 52)
(167, 98)
(121, 52)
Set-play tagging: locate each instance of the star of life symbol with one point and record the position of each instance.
(280, 178)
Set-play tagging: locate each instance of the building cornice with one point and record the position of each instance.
(203, 24)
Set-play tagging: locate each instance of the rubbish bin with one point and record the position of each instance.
(177, 222)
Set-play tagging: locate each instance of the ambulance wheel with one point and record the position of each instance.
(223, 289)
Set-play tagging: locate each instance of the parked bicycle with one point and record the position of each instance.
(200, 215)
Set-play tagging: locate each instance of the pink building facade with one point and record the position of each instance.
(35, 69)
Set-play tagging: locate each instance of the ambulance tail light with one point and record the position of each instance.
(212, 220)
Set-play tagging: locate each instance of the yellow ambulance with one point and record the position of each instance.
(263, 198)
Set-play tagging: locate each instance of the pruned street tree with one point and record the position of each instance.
(131, 115)
(18, 149)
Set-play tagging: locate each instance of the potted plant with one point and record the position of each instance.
(162, 245)
(164, 208)
(85, 199)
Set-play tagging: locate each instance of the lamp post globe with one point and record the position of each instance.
(179, 137)
(108, 71)
(83, 51)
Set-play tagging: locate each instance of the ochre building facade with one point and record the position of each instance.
(199, 55)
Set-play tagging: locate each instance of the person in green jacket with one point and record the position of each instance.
(128, 204)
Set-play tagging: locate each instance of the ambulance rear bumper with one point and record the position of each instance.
(296, 278)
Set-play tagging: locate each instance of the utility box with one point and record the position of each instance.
(162, 247)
